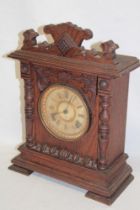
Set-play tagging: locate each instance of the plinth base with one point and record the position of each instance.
(21, 170)
(102, 185)
(111, 199)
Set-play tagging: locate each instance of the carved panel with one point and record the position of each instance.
(64, 154)
(84, 83)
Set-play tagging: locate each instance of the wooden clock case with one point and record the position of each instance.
(96, 161)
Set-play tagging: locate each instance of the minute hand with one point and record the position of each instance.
(70, 100)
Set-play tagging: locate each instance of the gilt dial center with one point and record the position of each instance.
(66, 110)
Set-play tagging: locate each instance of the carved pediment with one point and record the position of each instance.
(68, 39)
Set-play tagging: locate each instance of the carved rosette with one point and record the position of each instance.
(64, 154)
(104, 102)
(29, 101)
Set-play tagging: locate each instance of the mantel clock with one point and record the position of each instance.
(75, 110)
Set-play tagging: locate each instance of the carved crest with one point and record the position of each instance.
(68, 39)
(76, 33)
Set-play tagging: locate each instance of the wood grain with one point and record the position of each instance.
(96, 161)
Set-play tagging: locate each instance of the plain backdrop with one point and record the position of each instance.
(117, 20)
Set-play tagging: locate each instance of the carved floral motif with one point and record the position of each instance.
(77, 33)
(64, 154)
(86, 83)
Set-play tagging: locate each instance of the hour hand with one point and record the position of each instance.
(70, 100)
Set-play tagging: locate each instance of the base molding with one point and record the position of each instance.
(102, 185)
(111, 199)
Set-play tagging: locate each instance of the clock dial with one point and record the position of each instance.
(63, 112)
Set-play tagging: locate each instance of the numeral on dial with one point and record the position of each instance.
(77, 124)
(81, 115)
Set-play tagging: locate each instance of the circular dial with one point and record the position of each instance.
(64, 112)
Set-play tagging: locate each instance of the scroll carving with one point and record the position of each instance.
(64, 154)
(85, 83)
(68, 40)
(76, 33)
(42, 81)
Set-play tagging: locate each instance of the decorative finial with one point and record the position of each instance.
(29, 38)
(109, 49)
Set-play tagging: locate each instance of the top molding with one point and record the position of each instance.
(67, 48)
